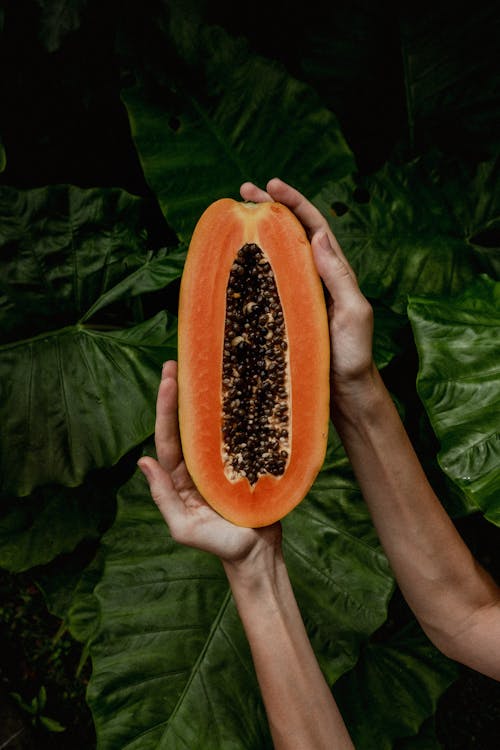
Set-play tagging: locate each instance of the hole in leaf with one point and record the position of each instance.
(339, 208)
(361, 195)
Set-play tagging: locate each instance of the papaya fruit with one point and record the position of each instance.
(253, 361)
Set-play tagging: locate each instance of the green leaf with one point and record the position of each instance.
(51, 724)
(30, 708)
(226, 116)
(171, 665)
(389, 332)
(413, 231)
(170, 647)
(83, 614)
(42, 698)
(52, 521)
(339, 572)
(408, 77)
(394, 687)
(155, 274)
(78, 399)
(458, 341)
(61, 249)
(451, 75)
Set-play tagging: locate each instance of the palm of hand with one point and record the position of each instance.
(201, 522)
(192, 521)
(199, 525)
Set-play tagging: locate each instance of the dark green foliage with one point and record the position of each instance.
(120, 123)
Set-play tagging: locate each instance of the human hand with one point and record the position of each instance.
(190, 519)
(349, 312)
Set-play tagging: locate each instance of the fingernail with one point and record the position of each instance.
(324, 241)
(164, 370)
(144, 468)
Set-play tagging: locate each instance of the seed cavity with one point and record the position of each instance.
(255, 372)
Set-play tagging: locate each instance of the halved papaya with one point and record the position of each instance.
(253, 361)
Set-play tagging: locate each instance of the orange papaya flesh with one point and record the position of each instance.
(253, 362)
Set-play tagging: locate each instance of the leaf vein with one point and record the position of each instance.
(201, 656)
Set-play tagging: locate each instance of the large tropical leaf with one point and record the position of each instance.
(415, 75)
(340, 574)
(437, 69)
(171, 666)
(57, 522)
(78, 399)
(452, 76)
(61, 248)
(411, 229)
(390, 335)
(51, 522)
(394, 687)
(74, 397)
(226, 115)
(155, 274)
(458, 340)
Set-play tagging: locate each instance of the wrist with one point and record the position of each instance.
(358, 398)
(258, 573)
(263, 597)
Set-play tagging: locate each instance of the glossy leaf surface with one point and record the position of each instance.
(76, 397)
(63, 398)
(169, 629)
(458, 340)
(394, 687)
(246, 120)
(62, 248)
(411, 229)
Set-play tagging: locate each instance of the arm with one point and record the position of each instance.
(455, 600)
(300, 707)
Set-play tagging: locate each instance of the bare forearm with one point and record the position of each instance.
(301, 710)
(435, 570)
